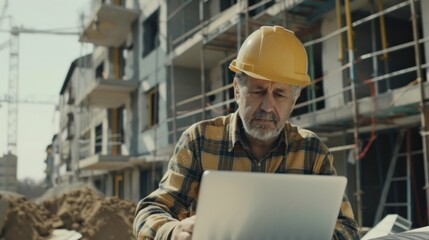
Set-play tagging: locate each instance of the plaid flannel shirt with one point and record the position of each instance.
(219, 144)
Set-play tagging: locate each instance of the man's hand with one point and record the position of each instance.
(183, 231)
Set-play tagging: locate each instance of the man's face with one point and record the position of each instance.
(264, 107)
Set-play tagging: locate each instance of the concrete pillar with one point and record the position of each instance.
(334, 82)
(135, 184)
(109, 185)
(127, 184)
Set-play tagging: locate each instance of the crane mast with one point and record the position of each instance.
(12, 120)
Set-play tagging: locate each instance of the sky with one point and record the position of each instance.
(44, 60)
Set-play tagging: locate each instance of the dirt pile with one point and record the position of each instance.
(83, 210)
(94, 216)
(24, 219)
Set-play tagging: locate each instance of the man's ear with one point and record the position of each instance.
(298, 94)
(295, 99)
(236, 89)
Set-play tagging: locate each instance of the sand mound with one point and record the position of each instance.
(95, 217)
(83, 210)
(24, 219)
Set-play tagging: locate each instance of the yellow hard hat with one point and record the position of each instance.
(274, 54)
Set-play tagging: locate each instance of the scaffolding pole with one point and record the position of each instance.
(202, 63)
(375, 72)
(203, 83)
(173, 94)
(384, 46)
(355, 110)
(339, 25)
(424, 110)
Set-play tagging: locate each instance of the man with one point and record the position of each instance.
(271, 69)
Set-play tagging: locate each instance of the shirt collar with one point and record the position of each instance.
(234, 131)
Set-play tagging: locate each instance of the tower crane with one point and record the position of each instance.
(12, 110)
(12, 97)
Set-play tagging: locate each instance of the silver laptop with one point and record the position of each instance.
(244, 205)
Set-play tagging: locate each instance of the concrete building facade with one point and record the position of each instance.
(159, 66)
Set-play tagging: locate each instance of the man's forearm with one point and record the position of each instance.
(346, 229)
(152, 222)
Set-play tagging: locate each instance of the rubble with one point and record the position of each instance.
(83, 209)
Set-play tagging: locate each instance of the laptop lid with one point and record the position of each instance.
(245, 205)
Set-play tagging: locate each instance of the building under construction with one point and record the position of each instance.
(159, 66)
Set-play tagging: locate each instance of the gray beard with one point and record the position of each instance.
(260, 133)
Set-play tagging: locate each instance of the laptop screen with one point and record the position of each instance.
(245, 205)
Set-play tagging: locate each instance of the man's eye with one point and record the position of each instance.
(279, 95)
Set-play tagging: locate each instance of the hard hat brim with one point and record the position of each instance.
(236, 70)
(233, 68)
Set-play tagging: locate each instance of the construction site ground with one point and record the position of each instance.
(81, 210)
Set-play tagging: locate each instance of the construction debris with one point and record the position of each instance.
(83, 210)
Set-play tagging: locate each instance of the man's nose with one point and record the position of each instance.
(268, 103)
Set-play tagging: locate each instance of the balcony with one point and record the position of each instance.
(107, 93)
(392, 109)
(104, 162)
(108, 156)
(109, 25)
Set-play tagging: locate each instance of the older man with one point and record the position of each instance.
(271, 69)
